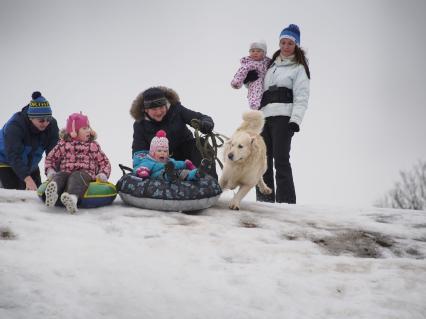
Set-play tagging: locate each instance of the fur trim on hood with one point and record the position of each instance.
(64, 135)
(137, 105)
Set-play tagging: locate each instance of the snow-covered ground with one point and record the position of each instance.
(264, 261)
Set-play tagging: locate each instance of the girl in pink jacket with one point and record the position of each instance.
(74, 162)
(257, 61)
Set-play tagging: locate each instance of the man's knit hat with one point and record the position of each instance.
(39, 107)
(159, 141)
(292, 32)
(259, 45)
(154, 97)
(75, 122)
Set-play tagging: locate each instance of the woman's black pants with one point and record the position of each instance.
(277, 136)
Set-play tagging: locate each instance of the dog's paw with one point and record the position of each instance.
(265, 190)
(234, 205)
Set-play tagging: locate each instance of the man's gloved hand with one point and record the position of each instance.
(101, 177)
(142, 172)
(251, 76)
(205, 126)
(50, 173)
(189, 164)
(293, 127)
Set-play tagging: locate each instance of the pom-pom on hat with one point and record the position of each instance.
(154, 97)
(75, 122)
(292, 32)
(159, 141)
(39, 107)
(259, 45)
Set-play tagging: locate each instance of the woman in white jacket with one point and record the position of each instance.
(284, 102)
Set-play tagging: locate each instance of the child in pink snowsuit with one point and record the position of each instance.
(259, 62)
(73, 163)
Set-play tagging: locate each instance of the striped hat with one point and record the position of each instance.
(39, 107)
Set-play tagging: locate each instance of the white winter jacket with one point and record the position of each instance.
(293, 76)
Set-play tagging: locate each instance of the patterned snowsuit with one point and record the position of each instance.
(77, 164)
(255, 88)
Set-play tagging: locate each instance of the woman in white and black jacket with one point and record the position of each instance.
(284, 102)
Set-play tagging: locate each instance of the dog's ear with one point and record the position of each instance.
(226, 148)
(254, 144)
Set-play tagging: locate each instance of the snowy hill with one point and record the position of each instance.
(264, 261)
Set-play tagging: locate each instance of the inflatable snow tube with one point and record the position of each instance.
(98, 194)
(164, 195)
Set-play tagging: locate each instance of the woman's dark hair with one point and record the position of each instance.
(299, 56)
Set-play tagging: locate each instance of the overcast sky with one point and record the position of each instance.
(366, 114)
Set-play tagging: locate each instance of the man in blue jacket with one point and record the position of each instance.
(23, 140)
(159, 108)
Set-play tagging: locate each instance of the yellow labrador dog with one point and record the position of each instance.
(244, 158)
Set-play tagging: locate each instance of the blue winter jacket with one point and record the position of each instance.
(22, 145)
(154, 167)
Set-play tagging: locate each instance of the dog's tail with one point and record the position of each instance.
(253, 121)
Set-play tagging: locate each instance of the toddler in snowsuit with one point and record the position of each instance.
(257, 61)
(74, 162)
(158, 164)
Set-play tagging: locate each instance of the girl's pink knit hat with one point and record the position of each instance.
(75, 122)
(159, 141)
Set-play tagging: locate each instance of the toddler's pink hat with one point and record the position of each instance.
(159, 141)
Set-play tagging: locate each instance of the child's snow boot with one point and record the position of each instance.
(70, 202)
(169, 172)
(51, 193)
